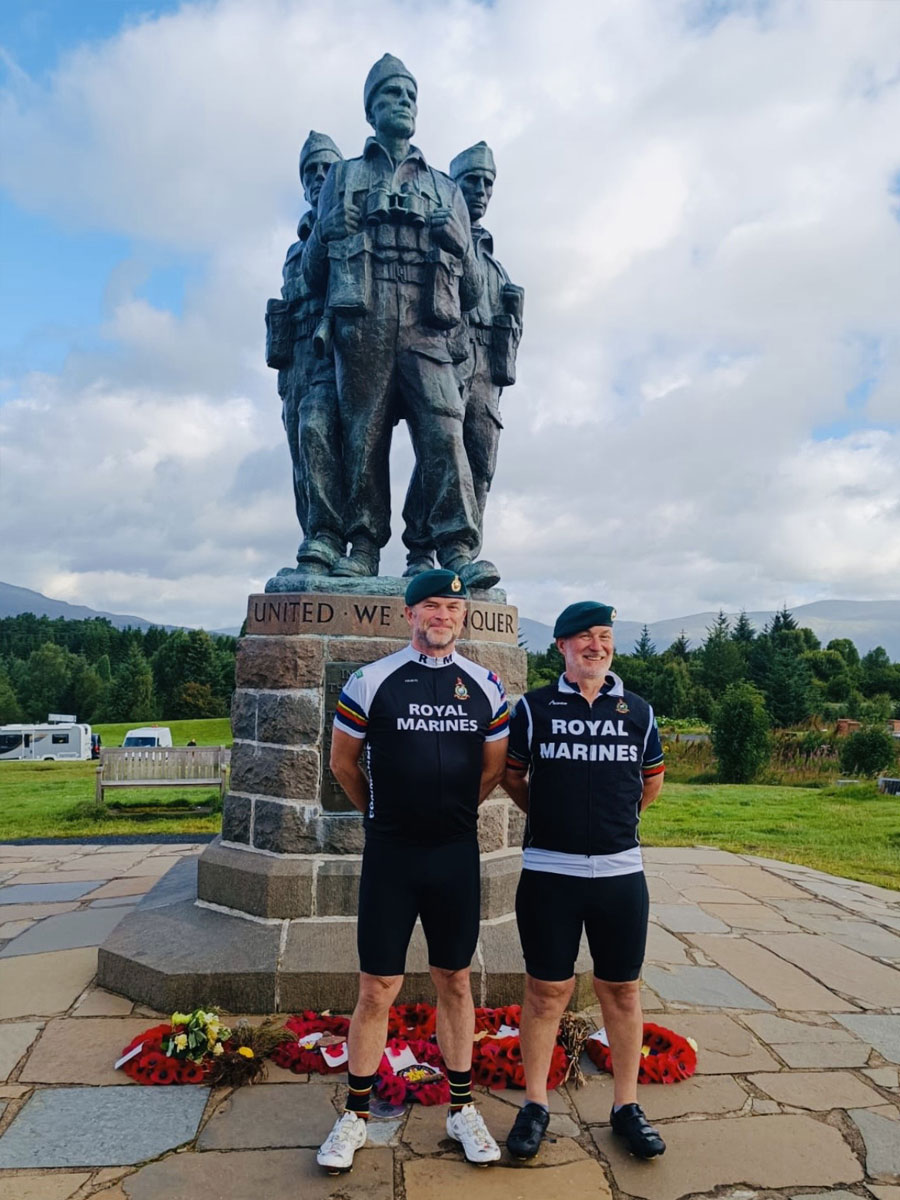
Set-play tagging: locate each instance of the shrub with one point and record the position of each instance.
(868, 751)
(740, 733)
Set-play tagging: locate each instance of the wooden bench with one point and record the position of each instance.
(162, 766)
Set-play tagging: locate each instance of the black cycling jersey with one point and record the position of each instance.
(424, 721)
(587, 765)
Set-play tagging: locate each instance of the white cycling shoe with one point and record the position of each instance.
(347, 1136)
(468, 1128)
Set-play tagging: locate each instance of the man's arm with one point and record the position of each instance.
(515, 783)
(492, 761)
(345, 755)
(652, 788)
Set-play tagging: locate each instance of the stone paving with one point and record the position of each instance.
(787, 978)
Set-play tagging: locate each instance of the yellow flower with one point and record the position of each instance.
(245, 1051)
(180, 1018)
(181, 1041)
(218, 1049)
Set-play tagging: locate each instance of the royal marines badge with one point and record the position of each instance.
(456, 584)
(460, 691)
(622, 707)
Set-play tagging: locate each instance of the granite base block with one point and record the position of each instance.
(263, 885)
(181, 956)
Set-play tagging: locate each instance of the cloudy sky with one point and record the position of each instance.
(701, 199)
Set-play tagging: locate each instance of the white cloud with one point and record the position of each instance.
(701, 218)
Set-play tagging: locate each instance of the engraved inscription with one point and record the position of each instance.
(367, 616)
(334, 798)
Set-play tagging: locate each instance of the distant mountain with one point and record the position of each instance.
(15, 600)
(867, 623)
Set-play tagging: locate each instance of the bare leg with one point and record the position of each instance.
(624, 1022)
(544, 1004)
(455, 1017)
(368, 1026)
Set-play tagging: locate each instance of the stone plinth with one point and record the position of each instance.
(276, 894)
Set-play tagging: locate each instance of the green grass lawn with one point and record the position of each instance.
(850, 831)
(49, 799)
(215, 731)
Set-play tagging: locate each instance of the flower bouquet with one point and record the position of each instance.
(197, 1048)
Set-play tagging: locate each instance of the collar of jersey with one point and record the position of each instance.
(617, 688)
(425, 660)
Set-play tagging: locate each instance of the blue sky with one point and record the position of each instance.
(55, 277)
(699, 197)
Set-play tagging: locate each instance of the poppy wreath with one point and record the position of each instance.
(412, 1021)
(497, 1063)
(300, 1059)
(489, 1020)
(667, 1057)
(397, 1089)
(153, 1066)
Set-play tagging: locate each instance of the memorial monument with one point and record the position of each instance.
(393, 308)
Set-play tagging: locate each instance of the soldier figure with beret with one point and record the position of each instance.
(393, 253)
(433, 726)
(584, 760)
(306, 382)
(491, 338)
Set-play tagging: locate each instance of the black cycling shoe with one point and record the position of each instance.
(528, 1130)
(630, 1124)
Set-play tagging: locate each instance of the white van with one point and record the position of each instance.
(149, 735)
(51, 743)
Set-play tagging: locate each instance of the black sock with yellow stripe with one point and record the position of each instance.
(460, 1089)
(358, 1094)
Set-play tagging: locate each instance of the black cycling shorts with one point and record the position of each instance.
(439, 884)
(552, 910)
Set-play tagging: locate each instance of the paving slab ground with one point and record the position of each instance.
(787, 979)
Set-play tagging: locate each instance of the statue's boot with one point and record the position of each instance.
(417, 563)
(362, 561)
(481, 574)
(317, 555)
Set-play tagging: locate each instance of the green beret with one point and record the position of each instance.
(435, 583)
(581, 616)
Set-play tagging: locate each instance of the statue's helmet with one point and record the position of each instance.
(320, 147)
(387, 67)
(479, 157)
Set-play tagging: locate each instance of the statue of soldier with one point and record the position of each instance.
(492, 333)
(393, 250)
(306, 382)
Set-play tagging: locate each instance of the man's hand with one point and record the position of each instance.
(449, 232)
(341, 222)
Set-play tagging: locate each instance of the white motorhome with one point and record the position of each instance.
(52, 742)
(149, 735)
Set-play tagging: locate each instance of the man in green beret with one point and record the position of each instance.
(584, 760)
(433, 726)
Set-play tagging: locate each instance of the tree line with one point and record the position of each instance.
(794, 677)
(101, 673)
